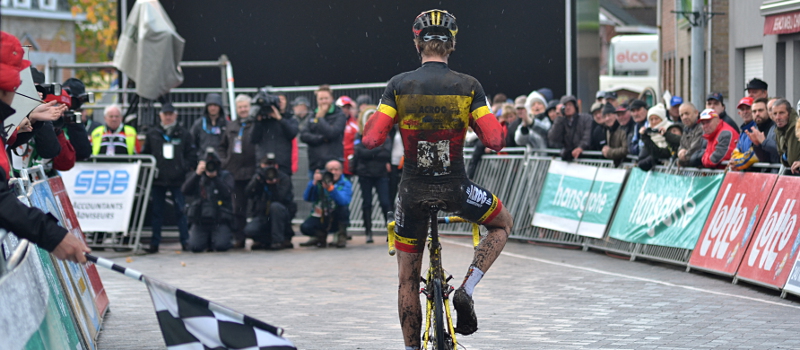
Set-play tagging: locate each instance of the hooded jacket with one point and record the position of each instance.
(571, 133)
(324, 137)
(720, 146)
(788, 145)
(204, 133)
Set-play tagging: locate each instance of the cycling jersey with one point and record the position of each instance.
(433, 107)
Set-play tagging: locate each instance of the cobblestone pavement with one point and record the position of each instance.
(534, 297)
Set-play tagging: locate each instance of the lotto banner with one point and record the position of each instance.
(774, 246)
(733, 220)
(600, 202)
(70, 222)
(102, 194)
(664, 209)
(563, 197)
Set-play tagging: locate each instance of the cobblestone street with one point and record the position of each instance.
(534, 297)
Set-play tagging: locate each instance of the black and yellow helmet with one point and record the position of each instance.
(435, 24)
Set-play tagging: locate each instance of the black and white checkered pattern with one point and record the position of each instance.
(189, 322)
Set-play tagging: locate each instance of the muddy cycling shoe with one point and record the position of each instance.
(467, 322)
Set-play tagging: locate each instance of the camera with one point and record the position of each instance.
(77, 101)
(49, 89)
(212, 160)
(262, 104)
(71, 117)
(327, 177)
(651, 131)
(269, 173)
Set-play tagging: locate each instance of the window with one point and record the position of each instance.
(753, 63)
(50, 5)
(22, 4)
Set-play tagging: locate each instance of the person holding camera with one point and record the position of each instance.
(76, 133)
(238, 155)
(27, 222)
(324, 134)
(661, 140)
(212, 213)
(170, 143)
(273, 131)
(270, 192)
(330, 193)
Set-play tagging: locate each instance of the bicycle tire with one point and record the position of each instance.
(442, 340)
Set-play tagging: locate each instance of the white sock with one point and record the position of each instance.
(474, 276)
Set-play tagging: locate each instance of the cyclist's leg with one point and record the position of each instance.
(408, 305)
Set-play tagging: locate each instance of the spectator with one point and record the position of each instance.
(546, 93)
(330, 193)
(720, 139)
(508, 120)
(365, 110)
(170, 143)
(211, 214)
(771, 104)
(324, 133)
(690, 153)
(300, 111)
(272, 198)
(611, 98)
(785, 118)
(372, 168)
(763, 138)
(756, 88)
(714, 101)
(624, 119)
(535, 103)
(36, 141)
(282, 103)
(638, 110)
(77, 134)
(26, 222)
(615, 143)
(598, 138)
(539, 123)
(744, 154)
(238, 156)
(114, 137)
(350, 130)
(273, 132)
(497, 103)
(599, 97)
(660, 139)
(208, 130)
(674, 109)
(572, 131)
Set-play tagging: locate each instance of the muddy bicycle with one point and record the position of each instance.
(439, 331)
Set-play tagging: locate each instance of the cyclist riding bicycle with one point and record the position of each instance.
(433, 107)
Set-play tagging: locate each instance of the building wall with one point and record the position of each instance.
(52, 39)
(718, 55)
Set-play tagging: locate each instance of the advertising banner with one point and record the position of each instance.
(733, 219)
(793, 282)
(600, 202)
(74, 281)
(70, 222)
(563, 197)
(664, 209)
(102, 194)
(774, 246)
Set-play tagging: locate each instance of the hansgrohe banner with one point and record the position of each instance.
(664, 209)
(578, 199)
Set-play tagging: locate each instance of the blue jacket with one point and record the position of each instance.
(341, 194)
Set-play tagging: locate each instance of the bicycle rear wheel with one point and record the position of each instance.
(441, 340)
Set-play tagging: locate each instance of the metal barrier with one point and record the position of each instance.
(130, 239)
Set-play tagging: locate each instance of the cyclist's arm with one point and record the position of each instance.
(485, 123)
(381, 122)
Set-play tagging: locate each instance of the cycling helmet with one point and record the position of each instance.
(432, 24)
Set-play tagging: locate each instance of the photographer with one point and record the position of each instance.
(212, 213)
(330, 194)
(273, 132)
(77, 133)
(207, 130)
(170, 143)
(271, 194)
(25, 222)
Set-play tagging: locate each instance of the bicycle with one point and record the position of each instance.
(436, 288)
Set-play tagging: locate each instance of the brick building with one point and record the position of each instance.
(48, 26)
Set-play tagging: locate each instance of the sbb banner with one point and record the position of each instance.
(775, 245)
(578, 199)
(102, 194)
(733, 219)
(664, 209)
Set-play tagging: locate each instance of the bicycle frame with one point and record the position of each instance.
(436, 273)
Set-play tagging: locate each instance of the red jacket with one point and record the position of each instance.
(720, 146)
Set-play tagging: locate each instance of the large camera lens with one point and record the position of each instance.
(327, 177)
(270, 173)
(211, 167)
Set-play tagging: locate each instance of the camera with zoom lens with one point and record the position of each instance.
(71, 117)
(79, 100)
(49, 89)
(268, 174)
(262, 102)
(212, 160)
(651, 131)
(327, 177)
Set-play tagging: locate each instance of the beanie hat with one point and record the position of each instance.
(533, 97)
(214, 99)
(658, 110)
(11, 62)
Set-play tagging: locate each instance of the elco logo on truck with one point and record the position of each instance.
(101, 182)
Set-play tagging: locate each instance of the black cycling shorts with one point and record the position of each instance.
(466, 200)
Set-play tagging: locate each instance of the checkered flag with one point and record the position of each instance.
(189, 322)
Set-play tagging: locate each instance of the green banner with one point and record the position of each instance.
(563, 197)
(663, 209)
(600, 202)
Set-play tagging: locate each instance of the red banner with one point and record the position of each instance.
(71, 224)
(784, 23)
(774, 246)
(732, 221)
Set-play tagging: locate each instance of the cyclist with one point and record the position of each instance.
(433, 107)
